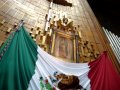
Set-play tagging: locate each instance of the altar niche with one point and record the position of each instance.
(63, 39)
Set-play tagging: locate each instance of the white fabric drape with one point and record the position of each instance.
(46, 65)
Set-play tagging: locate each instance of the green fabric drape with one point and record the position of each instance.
(5, 43)
(18, 63)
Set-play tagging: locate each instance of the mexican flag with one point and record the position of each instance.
(25, 66)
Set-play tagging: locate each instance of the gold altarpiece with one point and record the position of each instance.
(66, 42)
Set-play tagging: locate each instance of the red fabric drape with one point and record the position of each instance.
(103, 75)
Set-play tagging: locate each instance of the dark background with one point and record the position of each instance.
(107, 13)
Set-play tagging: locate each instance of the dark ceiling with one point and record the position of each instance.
(108, 13)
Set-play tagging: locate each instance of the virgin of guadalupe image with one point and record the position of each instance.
(63, 48)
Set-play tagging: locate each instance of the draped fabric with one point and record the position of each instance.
(97, 75)
(46, 65)
(18, 62)
(103, 75)
(7, 42)
(23, 64)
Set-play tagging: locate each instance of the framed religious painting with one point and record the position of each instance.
(64, 47)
